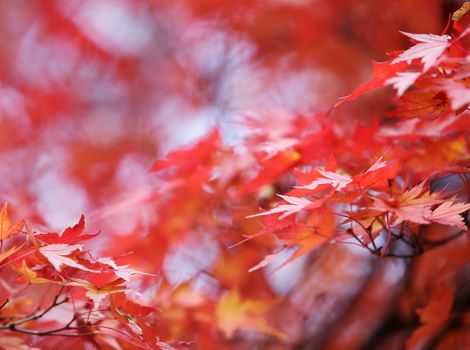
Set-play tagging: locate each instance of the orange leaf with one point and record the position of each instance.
(422, 104)
(7, 228)
(235, 313)
(97, 294)
(9, 252)
(30, 275)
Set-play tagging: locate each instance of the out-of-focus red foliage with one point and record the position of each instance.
(225, 197)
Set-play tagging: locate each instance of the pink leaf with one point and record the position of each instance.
(329, 178)
(429, 48)
(402, 81)
(296, 205)
(379, 164)
(57, 256)
(448, 213)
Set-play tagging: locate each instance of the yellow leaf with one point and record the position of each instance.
(97, 294)
(9, 252)
(30, 275)
(234, 313)
(7, 228)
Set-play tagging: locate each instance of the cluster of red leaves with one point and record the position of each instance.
(53, 287)
(397, 187)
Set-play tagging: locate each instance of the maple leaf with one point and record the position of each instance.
(234, 313)
(71, 235)
(128, 313)
(458, 92)
(194, 156)
(7, 228)
(304, 246)
(448, 213)
(122, 271)
(339, 182)
(321, 227)
(9, 252)
(402, 81)
(272, 168)
(268, 259)
(379, 164)
(95, 293)
(374, 176)
(57, 255)
(429, 49)
(30, 275)
(422, 104)
(335, 180)
(296, 204)
(121, 302)
(382, 72)
(413, 205)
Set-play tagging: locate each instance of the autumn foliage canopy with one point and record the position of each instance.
(185, 175)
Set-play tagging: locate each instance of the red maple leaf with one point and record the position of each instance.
(382, 72)
(71, 235)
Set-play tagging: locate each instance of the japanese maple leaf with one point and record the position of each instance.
(97, 294)
(121, 302)
(429, 49)
(339, 182)
(30, 275)
(402, 81)
(321, 227)
(234, 313)
(9, 252)
(422, 104)
(271, 225)
(382, 71)
(448, 213)
(122, 271)
(189, 158)
(272, 168)
(413, 205)
(128, 313)
(295, 205)
(373, 176)
(304, 246)
(458, 92)
(7, 228)
(71, 235)
(58, 255)
(335, 180)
